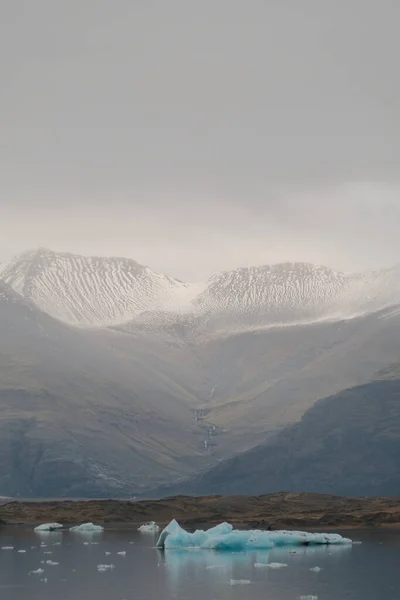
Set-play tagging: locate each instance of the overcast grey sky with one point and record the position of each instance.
(197, 136)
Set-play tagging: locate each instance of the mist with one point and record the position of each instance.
(196, 138)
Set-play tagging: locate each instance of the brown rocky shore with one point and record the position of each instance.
(283, 510)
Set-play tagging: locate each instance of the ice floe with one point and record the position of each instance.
(87, 528)
(150, 527)
(224, 537)
(105, 567)
(48, 527)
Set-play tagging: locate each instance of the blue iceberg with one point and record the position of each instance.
(224, 537)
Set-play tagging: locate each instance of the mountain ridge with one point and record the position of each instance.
(119, 292)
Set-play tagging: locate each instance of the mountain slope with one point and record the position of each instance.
(78, 417)
(346, 444)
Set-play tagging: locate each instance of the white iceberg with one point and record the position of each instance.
(48, 527)
(224, 537)
(87, 528)
(150, 527)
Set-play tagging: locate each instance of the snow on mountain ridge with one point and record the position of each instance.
(91, 291)
(98, 292)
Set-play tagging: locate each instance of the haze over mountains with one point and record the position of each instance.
(116, 379)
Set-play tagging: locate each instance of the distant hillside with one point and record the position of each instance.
(346, 444)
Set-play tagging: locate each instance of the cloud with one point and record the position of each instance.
(198, 138)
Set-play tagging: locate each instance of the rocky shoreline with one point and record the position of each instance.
(275, 511)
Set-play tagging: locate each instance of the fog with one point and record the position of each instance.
(195, 137)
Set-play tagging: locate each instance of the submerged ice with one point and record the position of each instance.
(224, 537)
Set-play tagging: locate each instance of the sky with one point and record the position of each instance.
(201, 136)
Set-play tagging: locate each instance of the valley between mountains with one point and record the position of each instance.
(119, 381)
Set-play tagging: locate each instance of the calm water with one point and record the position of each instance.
(369, 571)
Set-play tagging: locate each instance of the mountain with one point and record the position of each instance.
(119, 292)
(346, 444)
(80, 417)
(172, 377)
(90, 291)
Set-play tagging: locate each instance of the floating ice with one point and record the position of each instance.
(51, 563)
(316, 569)
(239, 581)
(105, 567)
(274, 565)
(150, 527)
(308, 597)
(224, 537)
(21, 551)
(87, 528)
(37, 572)
(8, 548)
(48, 527)
(122, 553)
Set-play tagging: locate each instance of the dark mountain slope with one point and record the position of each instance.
(346, 444)
(79, 418)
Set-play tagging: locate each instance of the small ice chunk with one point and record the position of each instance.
(8, 548)
(48, 527)
(316, 569)
(44, 580)
(122, 553)
(310, 597)
(48, 552)
(37, 572)
(150, 527)
(51, 563)
(107, 553)
(105, 567)
(275, 565)
(258, 565)
(87, 528)
(239, 581)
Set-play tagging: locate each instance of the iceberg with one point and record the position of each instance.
(87, 528)
(224, 537)
(150, 527)
(48, 527)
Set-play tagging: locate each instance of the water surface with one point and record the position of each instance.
(368, 571)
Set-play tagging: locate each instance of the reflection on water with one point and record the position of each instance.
(184, 565)
(142, 572)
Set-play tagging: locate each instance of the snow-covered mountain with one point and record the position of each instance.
(101, 292)
(91, 291)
